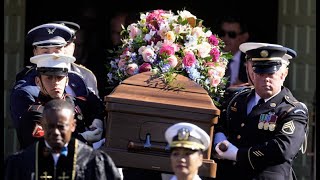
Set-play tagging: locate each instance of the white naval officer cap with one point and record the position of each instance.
(187, 135)
(49, 35)
(52, 64)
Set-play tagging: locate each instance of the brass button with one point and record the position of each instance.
(242, 124)
(238, 137)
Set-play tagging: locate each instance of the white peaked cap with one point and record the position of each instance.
(187, 135)
(52, 60)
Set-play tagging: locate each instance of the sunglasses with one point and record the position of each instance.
(231, 34)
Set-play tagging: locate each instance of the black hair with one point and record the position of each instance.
(57, 104)
(235, 19)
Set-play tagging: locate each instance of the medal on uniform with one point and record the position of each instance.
(261, 121)
(260, 125)
(272, 122)
(266, 126)
(272, 126)
(267, 118)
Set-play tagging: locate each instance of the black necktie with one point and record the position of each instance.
(261, 101)
(228, 72)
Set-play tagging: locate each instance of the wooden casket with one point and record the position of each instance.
(140, 110)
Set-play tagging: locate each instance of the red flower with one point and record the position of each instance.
(145, 67)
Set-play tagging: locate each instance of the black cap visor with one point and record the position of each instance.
(266, 67)
(50, 71)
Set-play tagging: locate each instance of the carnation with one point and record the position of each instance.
(167, 44)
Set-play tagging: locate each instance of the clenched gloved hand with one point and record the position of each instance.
(230, 154)
(95, 132)
(96, 124)
(92, 135)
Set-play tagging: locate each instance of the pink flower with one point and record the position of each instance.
(122, 63)
(189, 59)
(145, 67)
(132, 69)
(173, 61)
(134, 31)
(213, 40)
(147, 54)
(215, 54)
(167, 49)
(215, 81)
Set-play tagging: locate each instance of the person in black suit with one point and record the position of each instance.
(58, 155)
(233, 32)
(264, 128)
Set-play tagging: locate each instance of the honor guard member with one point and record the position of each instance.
(45, 39)
(88, 76)
(187, 143)
(58, 155)
(52, 79)
(262, 129)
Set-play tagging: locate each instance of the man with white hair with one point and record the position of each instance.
(262, 130)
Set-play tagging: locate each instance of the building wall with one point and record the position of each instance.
(14, 27)
(297, 30)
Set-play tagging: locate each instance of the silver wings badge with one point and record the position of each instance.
(51, 31)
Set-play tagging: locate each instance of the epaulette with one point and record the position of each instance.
(295, 103)
(82, 98)
(291, 101)
(30, 68)
(38, 108)
(82, 67)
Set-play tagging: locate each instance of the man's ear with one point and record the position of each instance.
(37, 81)
(67, 80)
(200, 159)
(73, 125)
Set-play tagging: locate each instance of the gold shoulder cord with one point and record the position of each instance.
(74, 159)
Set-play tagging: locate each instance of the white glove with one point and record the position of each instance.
(92, 136)
(218, 137)
(96, 123)
(230, 154)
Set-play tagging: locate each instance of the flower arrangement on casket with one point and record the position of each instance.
(169, 44)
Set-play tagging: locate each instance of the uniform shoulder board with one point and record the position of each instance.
(37, 107)
(297, 104)
(81, 98)
(82, 67)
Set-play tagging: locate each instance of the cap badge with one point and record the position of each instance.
(51, 31)
(264, 53)
(183, 134)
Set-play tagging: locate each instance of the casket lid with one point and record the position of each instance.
(144, 90)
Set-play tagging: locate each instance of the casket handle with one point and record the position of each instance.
(141, 147)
